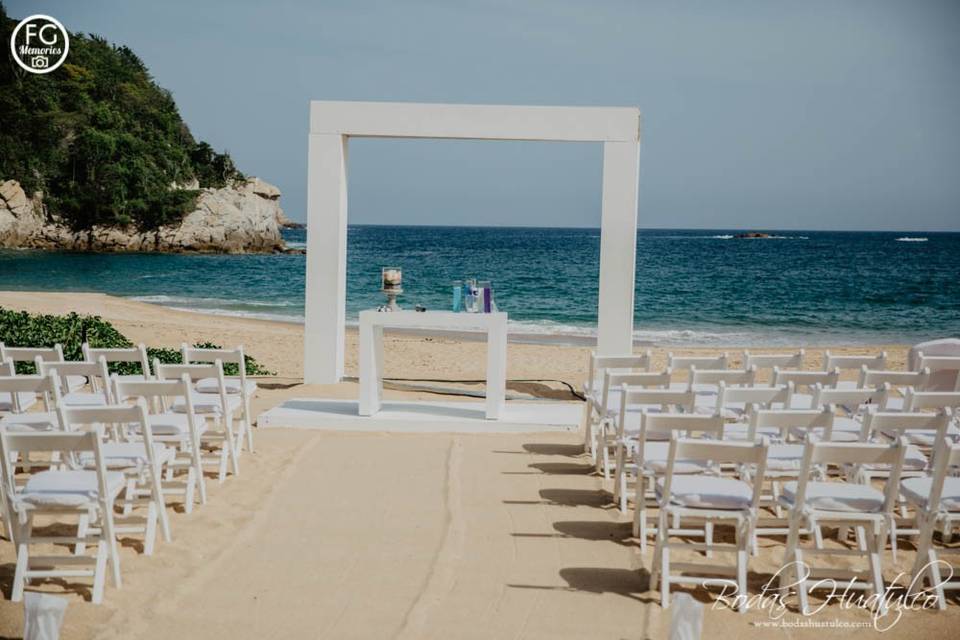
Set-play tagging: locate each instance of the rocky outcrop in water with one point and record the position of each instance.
(242, 218)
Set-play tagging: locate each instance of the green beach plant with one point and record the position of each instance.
(23, 329)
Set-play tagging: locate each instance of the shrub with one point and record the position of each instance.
(22, 329)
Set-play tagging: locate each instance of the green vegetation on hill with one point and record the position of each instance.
(100, 139)
(22, 329)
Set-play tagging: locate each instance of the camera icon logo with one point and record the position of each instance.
(39, 44)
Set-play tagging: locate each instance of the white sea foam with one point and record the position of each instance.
(911, 239)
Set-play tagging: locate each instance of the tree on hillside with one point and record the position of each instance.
(100, 139)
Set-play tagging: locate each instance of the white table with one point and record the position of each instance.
(372, 324)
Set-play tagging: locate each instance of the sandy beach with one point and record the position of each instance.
(346, 535)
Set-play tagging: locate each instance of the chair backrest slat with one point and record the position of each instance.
(95, 372)
(742, 377)
(680, 363)
(847, 362)
(806, 378)
(137, 354)
(599, 366)
(771, 360)
(30, 354)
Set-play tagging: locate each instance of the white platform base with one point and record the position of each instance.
(422, 416)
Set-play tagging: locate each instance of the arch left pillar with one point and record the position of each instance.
(324, 334)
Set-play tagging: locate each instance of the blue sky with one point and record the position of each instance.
(756, 114)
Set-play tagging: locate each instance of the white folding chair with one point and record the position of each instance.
(944, 372)
(86, 494)
(649, 460)
(897, 383)
(596, 388)
(142, 463)
(921, 429)
(739, 404)
(95, 373)
(239, 385)
(220, 407)
(851, 404)
(181, 430)
(767, 361)
(805, 380)
(853, 363)
(936, 499)
(623, 429)
(10, 401)
(813, 503)
(935, 401)
(129, 355)
(25, 392)
(683, 497)
(706, 384)
(784, 458)
(607, 408)
(685, 363)
(47, 354)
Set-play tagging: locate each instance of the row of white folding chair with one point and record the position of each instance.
(85, 483)
(239, 385)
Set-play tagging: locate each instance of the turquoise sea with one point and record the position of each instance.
(694, 287)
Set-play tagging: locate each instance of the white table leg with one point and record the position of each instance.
(496, 369)
(370, 381)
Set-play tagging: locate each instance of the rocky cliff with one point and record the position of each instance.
(245, 217)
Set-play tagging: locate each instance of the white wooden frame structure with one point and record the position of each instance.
(333, 123)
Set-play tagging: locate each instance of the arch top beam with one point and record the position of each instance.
(478, 122)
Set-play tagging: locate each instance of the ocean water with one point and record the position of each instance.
(693, 287)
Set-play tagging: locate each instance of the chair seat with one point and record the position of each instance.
(848, 385)
(917, 491)
(845, 429)
(123, 455)
(208, 403)
(706, 405)
(739, 432)
(894, 403)
(76, 382)
(913, 460)
(705, 492)
(923, 437)
(232, 385)
(30, 422)
(801, 401)
(79, 399)
(655, 460)
(68, 488)
(27, 399)
(172, 424)
(836, 496)
(785, 457)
